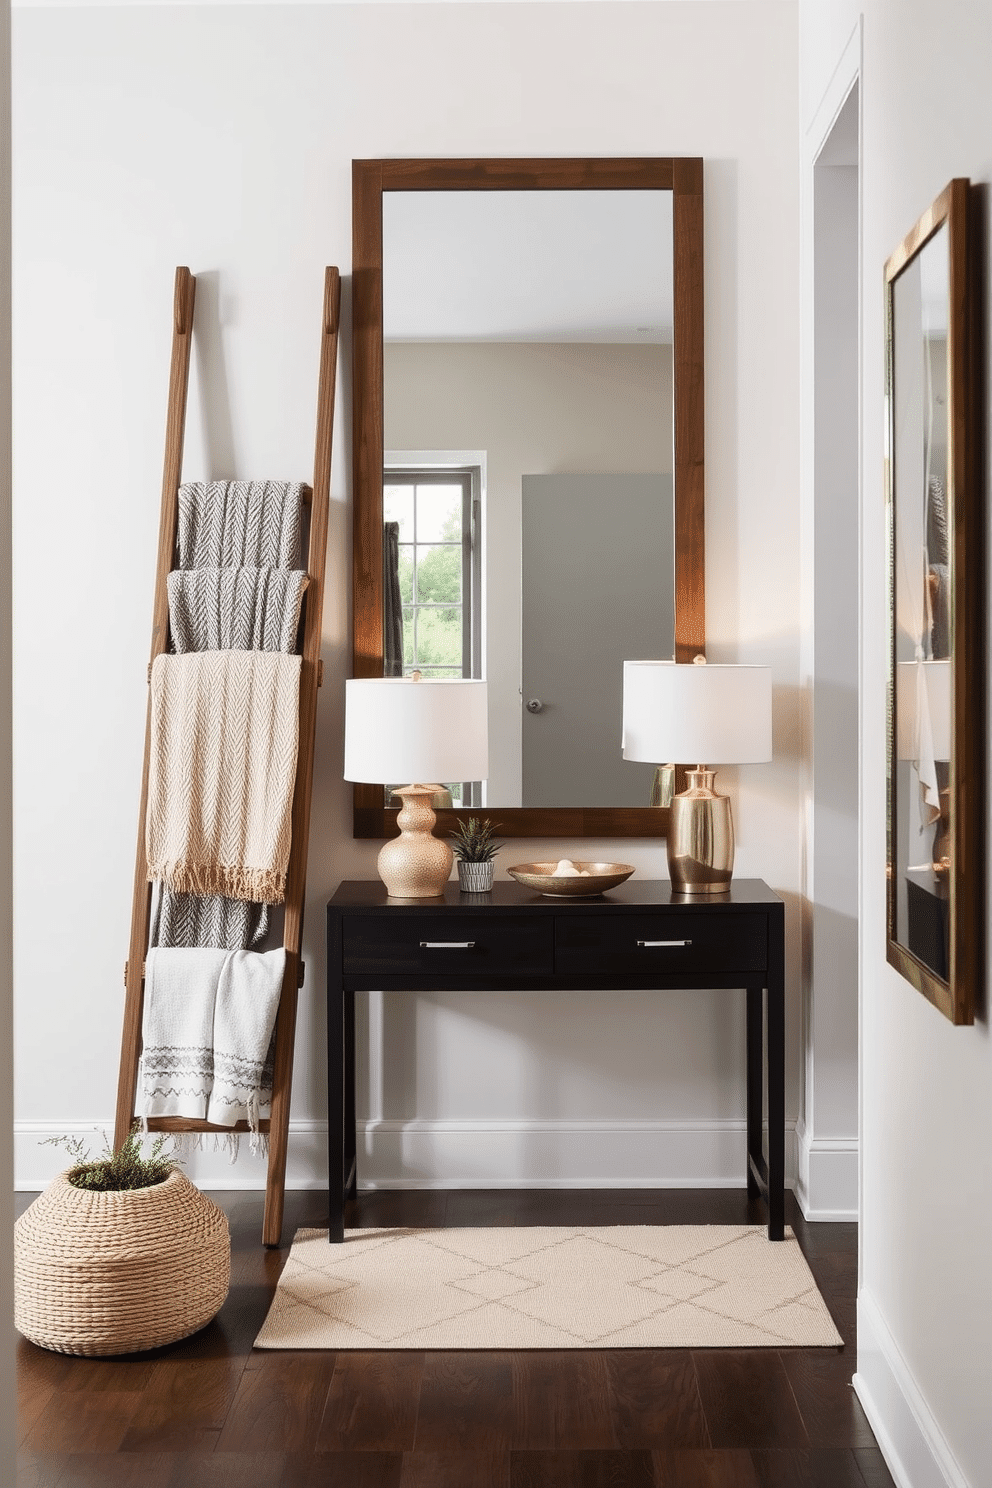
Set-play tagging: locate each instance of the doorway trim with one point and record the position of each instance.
(828, 1179)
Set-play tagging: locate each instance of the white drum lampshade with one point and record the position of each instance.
(703, 715)
(425, 731)
(715, 715)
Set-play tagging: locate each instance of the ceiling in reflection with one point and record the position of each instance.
(527, 266)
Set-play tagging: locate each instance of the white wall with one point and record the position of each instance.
(222, 137)
(925, 1307)
(7, 1407)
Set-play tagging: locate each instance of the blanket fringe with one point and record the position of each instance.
(186, 1143)
(234, 881)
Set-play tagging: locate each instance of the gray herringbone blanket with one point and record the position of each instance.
(191, 920)
(235, 609)
(234, 524)
(222, 769)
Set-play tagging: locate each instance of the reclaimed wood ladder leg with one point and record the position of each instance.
(175, 429)
(296, 877)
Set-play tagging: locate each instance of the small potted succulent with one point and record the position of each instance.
(475, 847)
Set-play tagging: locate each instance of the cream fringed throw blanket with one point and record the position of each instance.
(222, 767)
(206, 1032)
(235, 609)
(227, 524)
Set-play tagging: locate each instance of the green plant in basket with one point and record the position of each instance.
(475, 840)
(116, 1172)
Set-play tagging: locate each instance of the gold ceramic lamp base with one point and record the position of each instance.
(416, 864)
(700, 837)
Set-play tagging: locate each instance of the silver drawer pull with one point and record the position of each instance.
(664, 942)
(446, 945)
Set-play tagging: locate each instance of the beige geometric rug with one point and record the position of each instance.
(561, 1287)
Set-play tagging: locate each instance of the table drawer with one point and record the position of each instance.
(448, 945)
(635, 945)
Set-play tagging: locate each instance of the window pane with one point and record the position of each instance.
(406, 573)
(439, 513)
(397, 506)
(408, 636)
(439, 575)
(439, 638)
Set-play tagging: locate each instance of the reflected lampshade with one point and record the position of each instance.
(934, 677)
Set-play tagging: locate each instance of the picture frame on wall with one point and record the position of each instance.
(936, 689)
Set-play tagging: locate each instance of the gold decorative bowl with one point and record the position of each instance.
(592, 878)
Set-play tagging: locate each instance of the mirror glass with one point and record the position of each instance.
(528, 470)
(923, 520)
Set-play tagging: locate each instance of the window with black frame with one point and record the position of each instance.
(432, 602)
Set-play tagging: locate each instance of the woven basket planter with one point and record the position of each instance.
(114, 1273)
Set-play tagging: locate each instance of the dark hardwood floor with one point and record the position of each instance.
(210, 1413)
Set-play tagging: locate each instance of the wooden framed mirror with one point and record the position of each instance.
(453, 250)
(936, 693)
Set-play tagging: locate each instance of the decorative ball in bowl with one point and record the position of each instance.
(568, 880)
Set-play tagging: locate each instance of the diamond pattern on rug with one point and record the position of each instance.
(623, 1286)
(495, 1285)
(680, 1285)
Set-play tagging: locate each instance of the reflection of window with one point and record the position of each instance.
(437, 512)
(438, 568)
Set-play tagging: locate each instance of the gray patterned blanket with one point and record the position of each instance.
(235, 524)
(235, 609)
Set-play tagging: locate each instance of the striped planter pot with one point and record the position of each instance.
(475, 878)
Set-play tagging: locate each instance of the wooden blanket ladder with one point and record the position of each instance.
(277, 1125)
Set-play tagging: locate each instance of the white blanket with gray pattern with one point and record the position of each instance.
(207, 1030)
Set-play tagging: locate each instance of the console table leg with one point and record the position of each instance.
(335, 1085)
(350, 1163)
(755, 1083)
(776, 1078)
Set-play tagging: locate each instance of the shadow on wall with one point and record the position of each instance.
(215, 402)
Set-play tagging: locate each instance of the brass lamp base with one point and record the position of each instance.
(416, 864)
(700, 838)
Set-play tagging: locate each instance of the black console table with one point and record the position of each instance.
(639, 935)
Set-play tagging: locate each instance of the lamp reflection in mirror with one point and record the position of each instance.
(720, 714)
(923, 737)
(427, 731)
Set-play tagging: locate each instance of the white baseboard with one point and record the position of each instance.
(914, 1447)
(556, 1154)
(826, 1176)
(458, 1154)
